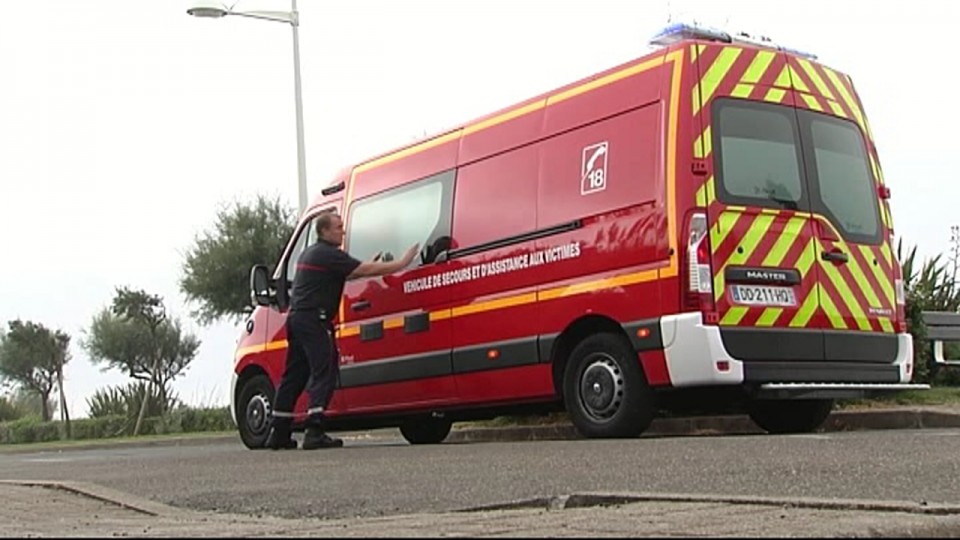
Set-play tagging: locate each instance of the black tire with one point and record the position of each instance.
(789, 416)
(604, 388)
(253, 411)
(425, 429)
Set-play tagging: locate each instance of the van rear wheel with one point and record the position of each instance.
(789, 416)
(604, 388)
(425, 429)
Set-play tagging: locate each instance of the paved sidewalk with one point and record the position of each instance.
(73, 509)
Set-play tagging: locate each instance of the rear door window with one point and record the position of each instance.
(759, 157)
(841, 176)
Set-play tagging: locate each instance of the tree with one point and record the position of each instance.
(33, 357)
(135, 336)
(216, 270)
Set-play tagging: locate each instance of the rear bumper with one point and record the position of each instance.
(696, 355)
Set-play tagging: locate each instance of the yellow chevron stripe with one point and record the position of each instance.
(786, 240)
(885, 281)
(695, 98)
(749, 243)
(887, 253)
(783, 80)
(806, 311)
(733, 316)
(862, 282)
(815, 77)
(769, 316)
(758, 67)
(705, 195)
(775, 95)
(725, 223)
(812, 102)
(742, 91)
(886, 325)
(837, 109)
(836, 319)
(805, 262)
(715, 75)
(845, 294)
(797, 81)
(703, 146)
(847, 98)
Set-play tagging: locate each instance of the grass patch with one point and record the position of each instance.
(118, 441)
(938, 395)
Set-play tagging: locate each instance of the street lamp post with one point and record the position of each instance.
(217, 10)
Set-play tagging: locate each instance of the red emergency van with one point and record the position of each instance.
(707, 224)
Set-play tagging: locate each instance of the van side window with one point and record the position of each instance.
(392, 221)
(758, 154)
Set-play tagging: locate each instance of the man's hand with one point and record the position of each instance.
(410, 254)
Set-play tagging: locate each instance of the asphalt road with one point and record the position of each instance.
(385, 476)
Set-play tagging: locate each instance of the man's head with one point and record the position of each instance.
(330, 228)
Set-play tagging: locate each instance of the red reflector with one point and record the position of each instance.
(901, 327)
(493, 354)
(711, 317)
(723, 365)
(643, 332)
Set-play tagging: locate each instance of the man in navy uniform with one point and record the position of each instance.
(312, 355)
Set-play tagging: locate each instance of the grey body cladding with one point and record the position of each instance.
(476, 358)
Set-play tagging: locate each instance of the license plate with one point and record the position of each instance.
(763, 295)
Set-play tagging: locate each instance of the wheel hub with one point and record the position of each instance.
(601, 387)
(258, 414)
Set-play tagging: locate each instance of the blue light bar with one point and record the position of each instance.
(681, 31)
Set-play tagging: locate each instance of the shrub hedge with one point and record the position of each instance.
(183, 420)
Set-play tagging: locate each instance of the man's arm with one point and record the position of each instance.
(370, 268)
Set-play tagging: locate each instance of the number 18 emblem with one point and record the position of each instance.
(593, 172)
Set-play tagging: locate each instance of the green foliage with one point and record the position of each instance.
(216, 270)
(9, 410)
(930, 286)
(183, 420)
(31, 356)
(136, 337)
(125, 401)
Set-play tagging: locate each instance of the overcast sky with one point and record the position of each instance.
(126, 124)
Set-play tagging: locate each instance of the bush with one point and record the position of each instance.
(125, 401)
(182, 420)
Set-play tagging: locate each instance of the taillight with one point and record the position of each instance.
(901, 292)
(699, 294)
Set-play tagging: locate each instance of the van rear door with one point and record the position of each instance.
(762, 248)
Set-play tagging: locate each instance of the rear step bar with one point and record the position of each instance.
(830, 390)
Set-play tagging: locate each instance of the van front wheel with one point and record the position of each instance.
(253, 411)
(604, 388)
(789, 416)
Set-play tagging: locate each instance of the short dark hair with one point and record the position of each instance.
(325, 220)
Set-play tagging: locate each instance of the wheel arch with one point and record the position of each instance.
(572, 335)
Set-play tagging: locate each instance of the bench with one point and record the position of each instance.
(942, 327)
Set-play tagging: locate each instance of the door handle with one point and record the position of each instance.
(360, 305)
(836, 256)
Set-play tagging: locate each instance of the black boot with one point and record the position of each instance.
(280, 439)
(316, 438)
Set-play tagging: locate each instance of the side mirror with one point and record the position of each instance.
(260, 291)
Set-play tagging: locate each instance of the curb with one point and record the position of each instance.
(860, 420)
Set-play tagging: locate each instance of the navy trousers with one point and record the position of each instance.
(313, 362)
